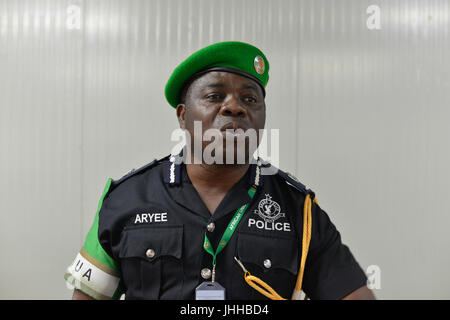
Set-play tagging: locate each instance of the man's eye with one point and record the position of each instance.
(249, 99)
(213, 97)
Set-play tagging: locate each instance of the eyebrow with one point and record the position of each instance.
(249, 86)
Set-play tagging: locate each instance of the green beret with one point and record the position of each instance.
(231, 56)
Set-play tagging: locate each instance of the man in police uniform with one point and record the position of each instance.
(170, 228)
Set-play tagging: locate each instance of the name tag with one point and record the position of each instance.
(151, 217)
(210, 291)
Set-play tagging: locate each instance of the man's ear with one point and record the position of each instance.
(181, 112)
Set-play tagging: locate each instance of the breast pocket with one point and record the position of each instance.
(151, 262)
(275, 260)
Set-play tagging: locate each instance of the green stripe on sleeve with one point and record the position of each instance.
(92, 245)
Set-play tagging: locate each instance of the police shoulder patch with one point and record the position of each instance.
(293, 181)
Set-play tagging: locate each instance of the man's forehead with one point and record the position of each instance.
(222, 79)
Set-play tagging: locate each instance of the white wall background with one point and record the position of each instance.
(363, 115)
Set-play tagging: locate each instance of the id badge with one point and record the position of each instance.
(210, 291)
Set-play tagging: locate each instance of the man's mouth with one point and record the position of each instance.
(233, 128)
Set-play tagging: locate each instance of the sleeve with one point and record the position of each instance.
(331, 271)
(94, 272)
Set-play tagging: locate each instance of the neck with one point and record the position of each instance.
(216, 176)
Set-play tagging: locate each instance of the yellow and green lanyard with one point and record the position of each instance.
(228, 232)
(251, 280)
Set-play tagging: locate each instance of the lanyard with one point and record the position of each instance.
(228, 232)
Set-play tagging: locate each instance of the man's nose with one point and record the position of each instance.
(232, 107)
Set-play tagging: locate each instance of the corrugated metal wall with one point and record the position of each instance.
(362, 114)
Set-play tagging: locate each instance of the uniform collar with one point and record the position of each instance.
(185, 194)
(173, 176)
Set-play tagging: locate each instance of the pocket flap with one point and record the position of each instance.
(163, 241)
(281, 253)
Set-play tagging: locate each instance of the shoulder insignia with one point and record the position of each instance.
(293, 181)
(136, 171)
(172, 174)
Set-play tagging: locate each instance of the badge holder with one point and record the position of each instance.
(210, 291)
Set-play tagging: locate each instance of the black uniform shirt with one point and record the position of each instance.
(152, 223)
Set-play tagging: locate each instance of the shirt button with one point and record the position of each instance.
(206, 273)
(210, 227)
(150, 253)
(267, 263)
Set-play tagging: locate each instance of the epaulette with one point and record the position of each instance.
(136, 171)
(293, 181)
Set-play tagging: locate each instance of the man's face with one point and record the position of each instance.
(223, 100)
